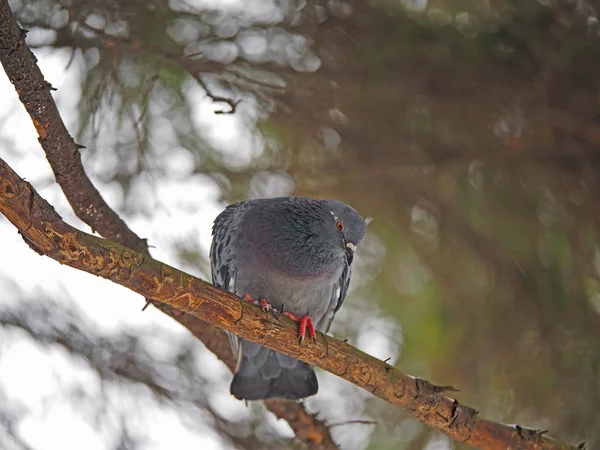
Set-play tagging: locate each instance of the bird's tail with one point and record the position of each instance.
(264, 373)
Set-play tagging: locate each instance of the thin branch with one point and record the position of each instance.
(64, 157)
(233, 104)
(353, 422)
(45, 231)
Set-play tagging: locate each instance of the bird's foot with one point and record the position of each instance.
(264, 304)
(304, 322)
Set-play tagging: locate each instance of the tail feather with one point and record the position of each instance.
(264, 373)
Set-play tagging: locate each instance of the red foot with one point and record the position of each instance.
(248, 297)
(264, 304)
(304, 322)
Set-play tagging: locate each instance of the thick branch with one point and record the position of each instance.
(87, 203)
(61, 150)
(46, 232)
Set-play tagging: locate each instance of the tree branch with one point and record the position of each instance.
(61, 150)
(45, 231)
(63, 155)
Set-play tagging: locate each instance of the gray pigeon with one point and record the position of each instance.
(292, 254)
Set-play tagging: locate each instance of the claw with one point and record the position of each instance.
(304, 322)
(264, 304)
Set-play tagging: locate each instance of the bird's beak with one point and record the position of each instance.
(350, 249)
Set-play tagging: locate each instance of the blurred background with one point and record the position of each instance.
(469, 130)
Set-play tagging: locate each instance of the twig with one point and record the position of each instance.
(216, 98)
(352, 422)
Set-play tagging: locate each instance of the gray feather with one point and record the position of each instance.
(340, 288)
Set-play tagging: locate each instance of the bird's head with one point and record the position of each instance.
(304, 236)
(344, 227)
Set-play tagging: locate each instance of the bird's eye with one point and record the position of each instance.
(340, 225)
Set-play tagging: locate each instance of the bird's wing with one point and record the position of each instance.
(338, 294)
(221, 255)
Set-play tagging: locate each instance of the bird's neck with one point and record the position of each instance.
(300, 260)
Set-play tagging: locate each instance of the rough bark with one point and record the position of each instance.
(64, 157)
(45, 231)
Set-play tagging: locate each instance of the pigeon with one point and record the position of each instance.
(292, 255)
